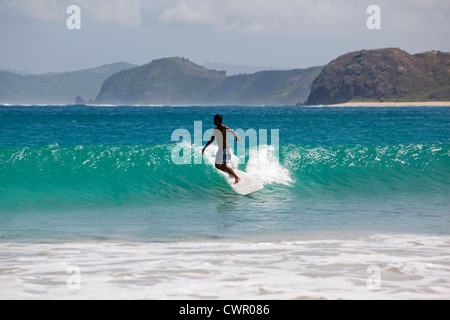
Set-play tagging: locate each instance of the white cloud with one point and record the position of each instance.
(191, 13)
(287, 17)
(45, 10)
(321, 18)
(126, 13)
(318, 18)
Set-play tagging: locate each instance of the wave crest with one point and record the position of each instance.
(109, 175)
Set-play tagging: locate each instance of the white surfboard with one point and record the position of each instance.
(246, 186)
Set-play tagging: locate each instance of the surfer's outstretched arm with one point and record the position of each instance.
(234, 133)
(208, 144)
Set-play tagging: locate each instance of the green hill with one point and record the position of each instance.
(55, 88)
(266, 88)
(383, 75)
(178, 81)
(165, 81)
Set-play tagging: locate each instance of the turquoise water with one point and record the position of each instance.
(81, 172)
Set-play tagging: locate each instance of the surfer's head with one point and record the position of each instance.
(218, 119)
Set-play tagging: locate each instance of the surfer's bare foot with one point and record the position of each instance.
(237, 180)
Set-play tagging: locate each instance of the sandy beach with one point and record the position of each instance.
(394, 104)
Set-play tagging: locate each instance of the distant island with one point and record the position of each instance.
(56, 88)
(384, 75)
(361, 77)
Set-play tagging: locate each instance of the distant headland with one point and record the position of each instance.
(380, 77)
(383, 76)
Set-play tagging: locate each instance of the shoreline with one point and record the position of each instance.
(393, 104)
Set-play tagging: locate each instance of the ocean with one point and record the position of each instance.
(355, 203)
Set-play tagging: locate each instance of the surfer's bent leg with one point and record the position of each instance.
(223, 156)
(225, 168)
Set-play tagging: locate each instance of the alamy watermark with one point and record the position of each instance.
(74, 280)
(374, 280)
(73, 22)
(374, 20)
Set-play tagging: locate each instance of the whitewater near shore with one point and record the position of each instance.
(315, 266)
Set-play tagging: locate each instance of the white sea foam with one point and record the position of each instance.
(264, 165)
(332, 267)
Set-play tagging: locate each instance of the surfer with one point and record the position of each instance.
(223, 156)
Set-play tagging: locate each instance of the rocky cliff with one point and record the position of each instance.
(383, 75)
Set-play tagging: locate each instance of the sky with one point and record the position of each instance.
(34, 36)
